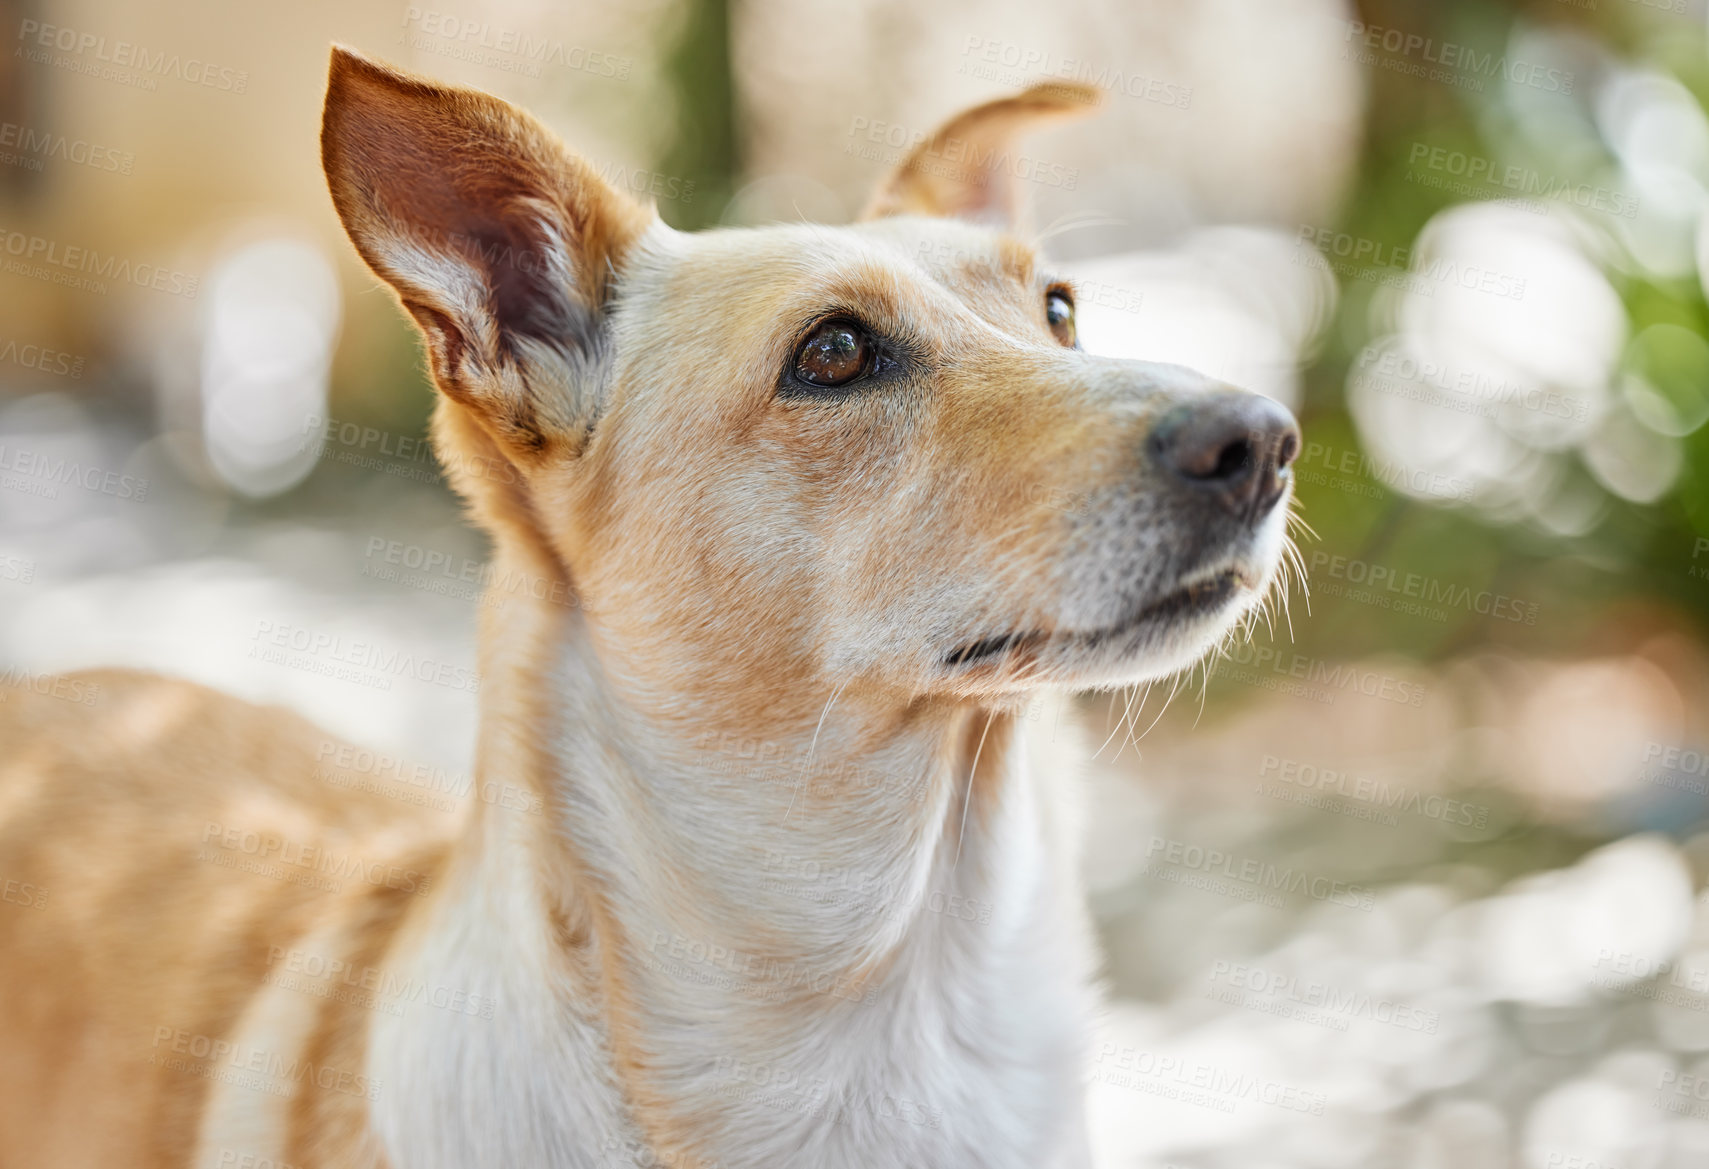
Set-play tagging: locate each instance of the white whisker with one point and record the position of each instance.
(967, 799)
(812, 749)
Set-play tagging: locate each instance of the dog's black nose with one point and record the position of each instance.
(1230, 445)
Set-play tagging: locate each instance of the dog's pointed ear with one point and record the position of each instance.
(968, 169)
(498, 241)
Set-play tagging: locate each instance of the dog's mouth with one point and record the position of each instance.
(1200, 598)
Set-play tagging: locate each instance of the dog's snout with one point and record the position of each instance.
(1232, 446)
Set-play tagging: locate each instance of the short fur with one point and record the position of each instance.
(794, 896)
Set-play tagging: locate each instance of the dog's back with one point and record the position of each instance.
(160, 846)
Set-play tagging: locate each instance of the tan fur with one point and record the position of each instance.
(746, 565)
(106, 808)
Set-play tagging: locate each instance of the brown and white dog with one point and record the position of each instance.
(853, 494)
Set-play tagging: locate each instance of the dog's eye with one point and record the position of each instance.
(834, 354)
(1059, 312)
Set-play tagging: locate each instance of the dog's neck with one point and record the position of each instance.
(845, 940)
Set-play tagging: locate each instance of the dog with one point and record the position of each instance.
(834, 506)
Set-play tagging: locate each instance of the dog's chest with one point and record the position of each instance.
(967, 1058)
(965, 1053)
(959, 1047)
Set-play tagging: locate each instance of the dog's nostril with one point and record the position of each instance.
(1230, 445)
(1205, 457)
(1235, 459)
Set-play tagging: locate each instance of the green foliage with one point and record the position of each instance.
(1633, 552)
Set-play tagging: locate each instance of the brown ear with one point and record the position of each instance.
(499, 242)
(969, 169)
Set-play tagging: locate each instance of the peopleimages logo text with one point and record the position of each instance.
(34, 249)
(49, 472)
(1261, 873)
(46, 144)
(1458, 58)
(1522, 180)
(1011, 63)
(1380, 793)
(1429, 589)
(512, 49)
(1355, 249)
(128, 55)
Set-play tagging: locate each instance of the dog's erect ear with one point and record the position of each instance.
(969, 168)
(500, 243)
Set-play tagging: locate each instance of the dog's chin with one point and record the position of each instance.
(1166, 633)
(1163, 637)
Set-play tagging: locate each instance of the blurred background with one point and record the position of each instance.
(1416, 878)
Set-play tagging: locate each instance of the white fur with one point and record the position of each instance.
(973, 1033)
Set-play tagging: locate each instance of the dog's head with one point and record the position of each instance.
(788, 459)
